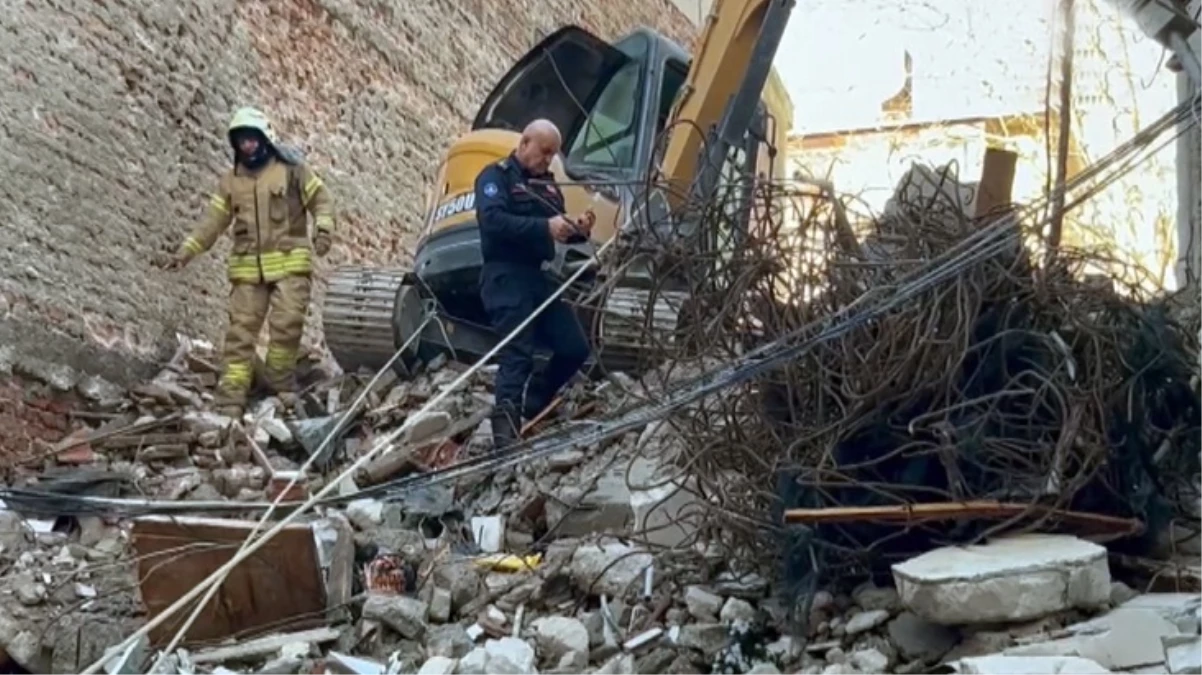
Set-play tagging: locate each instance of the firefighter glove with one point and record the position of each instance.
(321, 243)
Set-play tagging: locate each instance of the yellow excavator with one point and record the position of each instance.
(647, 129)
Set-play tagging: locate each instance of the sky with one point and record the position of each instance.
(852, 51)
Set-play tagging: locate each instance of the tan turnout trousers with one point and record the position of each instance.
(283, 304)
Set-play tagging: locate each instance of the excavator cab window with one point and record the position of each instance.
(675, 75)
(610, 137)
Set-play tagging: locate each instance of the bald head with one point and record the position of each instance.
(540, 142)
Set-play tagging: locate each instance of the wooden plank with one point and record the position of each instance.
(264, 646)
(995, 190)
(279, 587)
(907, 513)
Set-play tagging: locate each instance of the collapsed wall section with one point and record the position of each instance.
(111, 138)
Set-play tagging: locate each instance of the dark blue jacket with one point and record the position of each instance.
(513, 214)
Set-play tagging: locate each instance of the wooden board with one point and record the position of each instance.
(278, 588)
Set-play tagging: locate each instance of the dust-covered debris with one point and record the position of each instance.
(601, 558)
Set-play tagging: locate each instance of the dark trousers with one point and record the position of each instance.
(510, 295)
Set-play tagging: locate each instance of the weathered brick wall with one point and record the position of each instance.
(111, 136)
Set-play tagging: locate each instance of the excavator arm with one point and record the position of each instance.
(729, 70)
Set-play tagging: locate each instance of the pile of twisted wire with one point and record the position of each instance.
(1018, 380)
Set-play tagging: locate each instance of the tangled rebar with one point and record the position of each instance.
(1021, 380)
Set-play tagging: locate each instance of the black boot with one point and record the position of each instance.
(505, 429)
(537, 399)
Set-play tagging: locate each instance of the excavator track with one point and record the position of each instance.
(636, 328)
(370, 313)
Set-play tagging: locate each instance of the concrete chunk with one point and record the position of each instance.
(996, 664)
(1120, 640)
(1008, 580)
(438, 665)
(703, 605)
(608, 568)
(1182, 654)
(509, 655)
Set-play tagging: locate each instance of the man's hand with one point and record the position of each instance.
(586, 222)
(322, 243)
(561, 229)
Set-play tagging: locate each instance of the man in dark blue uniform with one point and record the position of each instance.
(519, 225)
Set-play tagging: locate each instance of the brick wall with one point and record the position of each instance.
(111, 137)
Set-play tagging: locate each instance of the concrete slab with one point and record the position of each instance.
(661, 503)
(1183, 654)
(996, 664)
(1010, 579)
(1120, 640)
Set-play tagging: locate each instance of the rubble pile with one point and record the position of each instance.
(1016, 393)
(871, 507)
(591, 560)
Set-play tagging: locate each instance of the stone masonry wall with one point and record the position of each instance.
(112, 119)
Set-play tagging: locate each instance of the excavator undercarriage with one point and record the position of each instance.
(372, 313)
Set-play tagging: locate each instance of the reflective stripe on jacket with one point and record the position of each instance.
(268, 210)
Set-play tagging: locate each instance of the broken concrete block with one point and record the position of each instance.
(706, 638)
(420, 428)
(572, 512)
(366, 514)
(1120, 593)
(14, 535)
(277, 429)
(1010, 579)
(869, 661)
(440, 605)
(405, 615)
(1182, 609)
(661, 502)
(1182, 654)
(608, 568)
(1120, 640)
(703, 605)
(438, 665)
(509, 656)
(619, 664)
(1027, 665)
(919, 639)
(737, 609)
(865, 621)
(558, 635)
(475, 661)
(871, 597)
(451, 641)
(203, 422)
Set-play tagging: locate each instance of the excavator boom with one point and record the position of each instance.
(726, 80)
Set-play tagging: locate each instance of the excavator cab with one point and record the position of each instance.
(612, 104)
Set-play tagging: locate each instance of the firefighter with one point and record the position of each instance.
(266, 197)
(520, 222)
